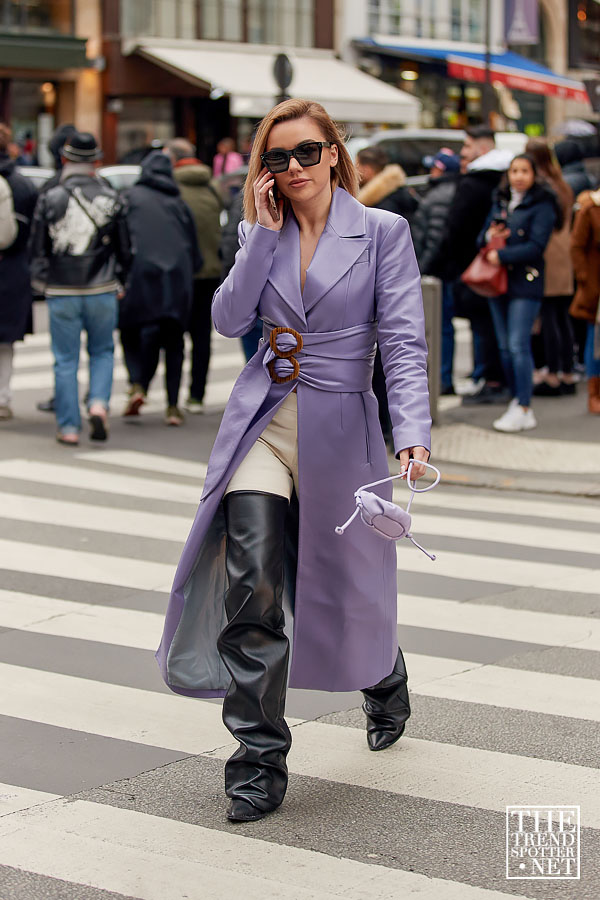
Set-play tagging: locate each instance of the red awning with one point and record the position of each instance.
(534, 79)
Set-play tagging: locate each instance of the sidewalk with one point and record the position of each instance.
(560, 456)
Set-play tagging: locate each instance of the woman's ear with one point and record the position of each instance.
(334, 155)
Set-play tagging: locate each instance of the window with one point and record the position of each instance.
(158, 18)
(461, 20)
(286, 22)
(584, 33)
(37, 15)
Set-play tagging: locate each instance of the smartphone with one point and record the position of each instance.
(274, 203)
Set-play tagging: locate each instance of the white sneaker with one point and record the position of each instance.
(195, 407)
(516, 419)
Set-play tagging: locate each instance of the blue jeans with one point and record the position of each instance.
(592, 366)
(447, 333)
(513, 319)
(69, 316)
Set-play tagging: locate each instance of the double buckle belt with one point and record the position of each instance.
(284, 354)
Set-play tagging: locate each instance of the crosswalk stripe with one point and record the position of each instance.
(467, 776)
(37, 359)
(82, 621)
(14, 798)
(503, 533)
(110, 520)
(500, 622)
(216, 388)
(501, 570)
(150, 462)
(553, 695)
(125, 713)
(95, 480)
(172, 528)
(142, 629)
(80, 565)
(150, 858)
(434, 676)
(558, 512)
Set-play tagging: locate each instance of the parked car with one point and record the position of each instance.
(409, 146)
(38, 174)
(120, 177)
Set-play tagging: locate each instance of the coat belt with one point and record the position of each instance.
(327, 360)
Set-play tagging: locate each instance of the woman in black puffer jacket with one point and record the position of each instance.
(524, 212)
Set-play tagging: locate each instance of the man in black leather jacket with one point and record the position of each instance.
(81, 254)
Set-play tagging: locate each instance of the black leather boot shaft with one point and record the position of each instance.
(255, 649)
(387, 707)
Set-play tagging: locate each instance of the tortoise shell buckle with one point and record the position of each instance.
(284, 354)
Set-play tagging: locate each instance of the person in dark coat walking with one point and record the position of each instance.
(570, 159)
(525, 212)
(427, 229)
(159, 297)
(202, 195)
(228, 248)
(482, 165)
(15, 289)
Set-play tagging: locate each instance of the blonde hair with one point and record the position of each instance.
(343, 173)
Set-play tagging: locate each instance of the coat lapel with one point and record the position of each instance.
(341, 244)
(285, 271)
(339, 247)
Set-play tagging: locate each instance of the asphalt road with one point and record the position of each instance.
(112, 786)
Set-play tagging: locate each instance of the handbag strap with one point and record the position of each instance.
(340, 529)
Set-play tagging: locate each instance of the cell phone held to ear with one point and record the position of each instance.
(274, 203)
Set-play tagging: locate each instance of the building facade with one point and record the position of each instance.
(49, 69)
(146, 99)
(438, 49)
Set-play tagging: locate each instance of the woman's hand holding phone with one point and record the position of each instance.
(269, 214)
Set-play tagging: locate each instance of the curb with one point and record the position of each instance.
(535, 483)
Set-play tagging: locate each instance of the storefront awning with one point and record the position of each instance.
(245, 73)
(506, 67)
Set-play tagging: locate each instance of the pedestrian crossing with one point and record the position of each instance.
(33, 371)
(113, 784)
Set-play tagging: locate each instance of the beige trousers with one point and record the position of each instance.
(271, 464)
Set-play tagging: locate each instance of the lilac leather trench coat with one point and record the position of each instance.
(362, 285)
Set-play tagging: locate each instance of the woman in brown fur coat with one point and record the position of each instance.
(585, 252)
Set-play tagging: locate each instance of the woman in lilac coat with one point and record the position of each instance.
(301, 432)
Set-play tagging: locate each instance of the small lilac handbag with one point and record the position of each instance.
(386, 518)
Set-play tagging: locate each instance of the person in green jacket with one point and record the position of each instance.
(203, 197)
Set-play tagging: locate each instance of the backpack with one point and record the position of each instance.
(9, 227)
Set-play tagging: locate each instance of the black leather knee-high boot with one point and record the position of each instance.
(387, 707)
(255, 650)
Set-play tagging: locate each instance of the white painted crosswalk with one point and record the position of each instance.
(502, 644)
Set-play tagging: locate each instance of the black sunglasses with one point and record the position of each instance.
(307, 154)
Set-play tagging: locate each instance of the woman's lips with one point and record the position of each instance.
(298, 182)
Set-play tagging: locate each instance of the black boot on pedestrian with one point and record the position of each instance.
(255, 650)
(387, 707)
